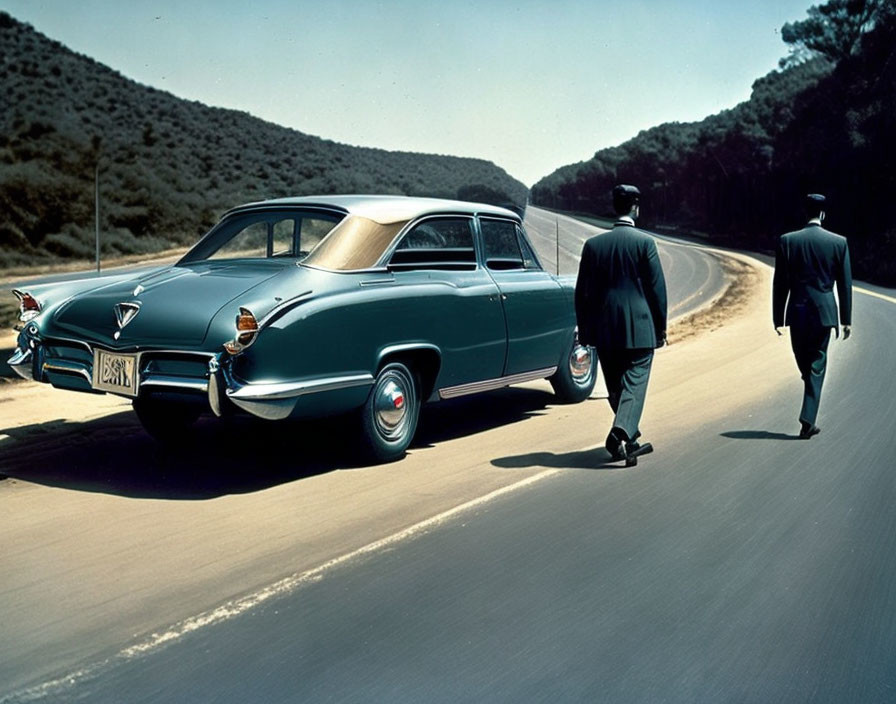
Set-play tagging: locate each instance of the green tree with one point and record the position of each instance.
(833, 30)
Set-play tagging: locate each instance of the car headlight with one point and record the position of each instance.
(246, 332)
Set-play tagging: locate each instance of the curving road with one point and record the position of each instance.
(693, 274)
(503, 560)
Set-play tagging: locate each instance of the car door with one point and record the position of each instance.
(536, 309)
(449, 300)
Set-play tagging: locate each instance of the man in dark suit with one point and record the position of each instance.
(621, 311)
(808, 263)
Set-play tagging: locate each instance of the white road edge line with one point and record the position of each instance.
(289, 584)
(869, 292)
(282, 587)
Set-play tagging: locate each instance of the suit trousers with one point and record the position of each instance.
(810, 349)
(626, 373)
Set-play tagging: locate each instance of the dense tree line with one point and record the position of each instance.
(824, 123)
(167, 167)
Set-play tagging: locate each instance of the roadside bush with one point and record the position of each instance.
(72, 242)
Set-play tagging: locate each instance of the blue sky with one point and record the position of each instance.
(529, 85)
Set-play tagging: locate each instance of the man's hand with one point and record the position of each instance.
(847, 331)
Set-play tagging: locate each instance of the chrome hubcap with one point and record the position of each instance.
(580, 364)
(393, 395)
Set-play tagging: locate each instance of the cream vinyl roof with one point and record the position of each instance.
(387, 209)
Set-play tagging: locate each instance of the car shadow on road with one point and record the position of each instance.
(114, 455)
(757, 435)
(598, 458)
(460, 417)
(239, 455)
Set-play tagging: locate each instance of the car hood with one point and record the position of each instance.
(175, 305)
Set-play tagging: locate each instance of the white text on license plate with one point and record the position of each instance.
(115, 372)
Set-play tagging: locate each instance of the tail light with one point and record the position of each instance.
(246, 332)
(29, 308)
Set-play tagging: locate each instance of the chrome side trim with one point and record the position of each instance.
(72, 368)
(175, 382)
(491, 384)
(282, 307)
(294, 389)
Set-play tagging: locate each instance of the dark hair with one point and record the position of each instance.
(624, 198)
(813, 205)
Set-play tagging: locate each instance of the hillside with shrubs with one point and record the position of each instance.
(167, 168)
(824, 123)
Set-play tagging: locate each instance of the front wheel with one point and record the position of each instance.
(574, 379)
(389, 417)
(166, 421)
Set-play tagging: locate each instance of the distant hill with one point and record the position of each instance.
(739, 176)
(168, 167)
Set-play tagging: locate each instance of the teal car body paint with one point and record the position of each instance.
(310, 306)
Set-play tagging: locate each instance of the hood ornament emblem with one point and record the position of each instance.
(125, 313)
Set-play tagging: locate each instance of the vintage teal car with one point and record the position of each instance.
(301, 307)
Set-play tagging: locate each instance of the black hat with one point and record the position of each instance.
(624, 197)
(814, 204)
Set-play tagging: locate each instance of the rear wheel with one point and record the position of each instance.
(166, 421)
(389, 417)
(574, 379)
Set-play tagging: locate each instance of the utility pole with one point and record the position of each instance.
(557, 242)
(96, 213)
(96, 142)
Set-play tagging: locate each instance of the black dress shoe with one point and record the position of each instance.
(808, 431)
(616, 446)
(633, 450)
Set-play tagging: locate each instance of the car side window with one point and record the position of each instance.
(530, 261)
(436, 243)
(505, 246)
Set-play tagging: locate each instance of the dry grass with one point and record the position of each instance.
(743, 280)
(11, 274)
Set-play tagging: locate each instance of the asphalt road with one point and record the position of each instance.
(693, 274)
(736, 563)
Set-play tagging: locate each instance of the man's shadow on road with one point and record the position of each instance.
(597, 458)
(757, 435)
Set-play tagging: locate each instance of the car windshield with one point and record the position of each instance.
(263, 234)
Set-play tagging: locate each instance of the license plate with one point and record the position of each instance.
(115, 372)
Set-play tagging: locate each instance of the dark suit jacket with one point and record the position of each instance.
(621, 291)
(808, 263)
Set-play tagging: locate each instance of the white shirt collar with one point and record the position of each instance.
(815, 221)
(625, 220)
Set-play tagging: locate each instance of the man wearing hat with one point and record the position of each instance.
(621, 311)
(808, 263)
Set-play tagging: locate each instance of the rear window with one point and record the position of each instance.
(356, 243)
(264, 234)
